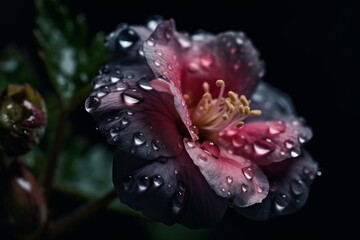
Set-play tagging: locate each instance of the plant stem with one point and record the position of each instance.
(54, 152)
(75, 218)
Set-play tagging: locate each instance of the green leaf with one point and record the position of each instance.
(15, 67)
(71, 60)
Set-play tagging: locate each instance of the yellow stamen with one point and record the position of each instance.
(215, 114)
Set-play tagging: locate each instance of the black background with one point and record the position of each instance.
(308, 51)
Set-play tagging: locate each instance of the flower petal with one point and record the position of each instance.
(133, 115)
(170, 190)
(273, 103)
(289, 188)
(266, 142)
(230, 176)
(229, 56)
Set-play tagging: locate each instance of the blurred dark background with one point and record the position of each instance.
(308, 51)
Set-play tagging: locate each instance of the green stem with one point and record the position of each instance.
(75, 218)
(54, 153)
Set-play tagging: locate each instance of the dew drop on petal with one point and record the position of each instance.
(120, 86)
(139, 138)
(294, 153)
(238, 141)
(248, 173)
(302, 139)
(127, 38)
(289, 144)
(202, 157)
(156, 63)
(229, 179)
(92, 103)
(143, 183)
(155, 145)
(190, 144)
(158, 181)
(244, 188)
(127, 182)
(131, 97)
(261, 150)
(153, 22)
(151, 43)
(144, 83)
(259, 189)
(281, 202)
(296, 187)
(211, 148)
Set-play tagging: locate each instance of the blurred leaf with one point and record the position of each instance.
(15, 67)
(70, 59)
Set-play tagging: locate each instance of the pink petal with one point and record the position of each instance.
(170, 190)
(266, 142)
(289, 188)
(230, 176)
(188, 62)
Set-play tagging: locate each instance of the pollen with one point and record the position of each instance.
(215, 114)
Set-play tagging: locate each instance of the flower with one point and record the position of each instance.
(197, 129)
(22, 119)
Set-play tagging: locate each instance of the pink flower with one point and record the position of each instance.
(196, 128)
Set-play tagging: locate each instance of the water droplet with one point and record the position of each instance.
(141, 52)
(211, 148)
(238, 141)
(156, 63)
(206, 61)
(260, 189)
(158, 52)
(151, 43)
(92, 103)
(229, 179)
(131, 96)
(261, 74)
(158, 181)
(223, 189)
(120, 86)
(281, 202)
(228, 193)
(170, 67)
(155, 145)
(127, 38)
(260, 149)
(185, 43)
(144, 83)
(202, 157)
(139, 138)
(319, 173)
(276, 127)
(127, 182)
(153, 22)
(190, 144)
(289, 144)
(194, 129)
(244, 187)
(296, 187)
(239, 41)
(124, 122)
(302, 139)
(294, 153)
(143, 183)
(130, 113)
(114, 79)
(282, 153)
(248, 173)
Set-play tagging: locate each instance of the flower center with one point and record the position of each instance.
(214, 114)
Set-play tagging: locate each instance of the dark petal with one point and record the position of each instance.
(230, 176)
(266, 142)
(170, 190)
(229, 56)
(273, 103)
(135, 116)
(289, 188)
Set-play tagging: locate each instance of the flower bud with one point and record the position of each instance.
(22, 119)
(22, 205)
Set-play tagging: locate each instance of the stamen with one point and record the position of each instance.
(216, 114)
